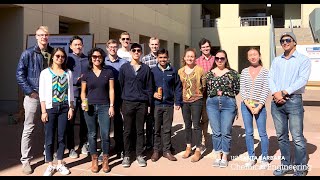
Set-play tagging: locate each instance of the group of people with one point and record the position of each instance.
(131, 90)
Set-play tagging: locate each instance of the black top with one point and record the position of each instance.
(136, 86)
(98, 87)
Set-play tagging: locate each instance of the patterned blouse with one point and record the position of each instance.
(226, 85)
(59, 87)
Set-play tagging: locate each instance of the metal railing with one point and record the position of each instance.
(253, 21)
(209, 22)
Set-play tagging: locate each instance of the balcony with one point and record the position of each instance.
(253, 21)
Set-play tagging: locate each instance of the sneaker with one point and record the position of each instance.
(141, 161)
(264, 165)
(300, 173)
(26, 168)
(216, 163)
(223, 163)
(73, 154)
(85, 149)
(126, 161)
(281, 172)
(250, 163)
(49, 171)
(100, 158)
(62, 169)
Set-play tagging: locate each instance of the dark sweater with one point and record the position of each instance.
(136, 87)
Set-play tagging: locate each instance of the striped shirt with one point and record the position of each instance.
(150, 60)
(290, 74)
(59, 87)
(255, 89)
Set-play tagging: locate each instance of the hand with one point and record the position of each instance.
(157, 96)
(44, 117)
(111, 111)
(256, 110)
(281, 101)
(277, 96)
(83, 106)
(34, 95)
(70, 114)
(176, 107)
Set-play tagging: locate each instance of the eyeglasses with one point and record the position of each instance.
(128, 39)
(219, 58)
(285, 40)
(112, 47)
(136, 50)
(60, 56)
(43, 35)
(96, 57)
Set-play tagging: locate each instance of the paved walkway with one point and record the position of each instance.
(11, 135)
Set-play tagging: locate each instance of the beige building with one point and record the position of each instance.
(232, 27)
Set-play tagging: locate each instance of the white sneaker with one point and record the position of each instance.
(49, 171)
(62, 169)
(85, 149)
(264, 165)
(250, 163)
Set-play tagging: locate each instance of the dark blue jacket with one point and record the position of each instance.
(29, 67)
(171, 85)
(136, 87)
(78, 65)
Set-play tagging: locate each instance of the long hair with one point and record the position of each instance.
(55, 50)
(256, 49)
(185, 52)
(103, 54)
(227, 65)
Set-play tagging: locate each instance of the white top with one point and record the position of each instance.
(124, 54)
(45, 87)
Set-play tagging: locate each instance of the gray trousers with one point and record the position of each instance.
(32, 111)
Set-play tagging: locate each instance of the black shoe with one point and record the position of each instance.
(155, 156)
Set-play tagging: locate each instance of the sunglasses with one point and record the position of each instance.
(96, 57)
(136, 50)
(219, 58)
(60, 56)
(285, 40)
(125, 39)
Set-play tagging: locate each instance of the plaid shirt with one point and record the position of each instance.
(150, 60)
(204, 63)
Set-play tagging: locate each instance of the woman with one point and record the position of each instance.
(254, 90)
(193, 81)
(222, 87)
(56, 98)
(97, 88)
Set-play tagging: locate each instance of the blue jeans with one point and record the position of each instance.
(290, 114)
(57, 118)
(221, 113)
(100, 111)
(261, 119)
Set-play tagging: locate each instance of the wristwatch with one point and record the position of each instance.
(283, 94)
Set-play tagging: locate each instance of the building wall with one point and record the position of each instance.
(306, 9)
(293, 12)
(170, 23)
(229, 35)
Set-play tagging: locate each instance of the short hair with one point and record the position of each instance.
(203, 41)
(135, 45)
(111, 41)
(163, 51)
(43, 28)
(154, 38)
(124, 33)
(76, 37)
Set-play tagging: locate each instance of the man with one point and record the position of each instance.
(205, 61)
(151, 60)
(115, 62)
(288, 76)
(165, 101)
(136, 86)
(78, 64)
(32, 61)
(123, 52)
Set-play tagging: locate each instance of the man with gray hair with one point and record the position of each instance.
(32, 61)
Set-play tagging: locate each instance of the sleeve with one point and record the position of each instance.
(121, 77)
(22, 73)
(236, 83)
(178, 90)
(84, 77)
(265, 88)
(271, 76)
(110, 74)
(149, 85)
(42, 86)
(242, 85)
(71, 91)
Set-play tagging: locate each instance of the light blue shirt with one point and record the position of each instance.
(290, 74)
